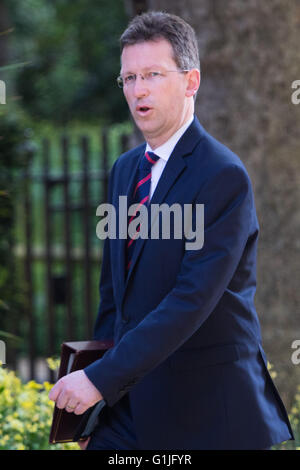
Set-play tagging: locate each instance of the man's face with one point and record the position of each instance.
(160, 105)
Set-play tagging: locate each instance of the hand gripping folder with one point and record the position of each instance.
(68, 427)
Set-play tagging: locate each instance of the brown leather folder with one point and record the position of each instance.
(75, 355)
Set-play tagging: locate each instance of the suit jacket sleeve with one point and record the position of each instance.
(201, 282)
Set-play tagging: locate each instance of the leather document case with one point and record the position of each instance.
(68, 427)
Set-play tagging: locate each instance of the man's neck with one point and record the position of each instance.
(173, 139)
(155, 143)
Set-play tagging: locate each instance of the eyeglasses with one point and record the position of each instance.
(150, 77)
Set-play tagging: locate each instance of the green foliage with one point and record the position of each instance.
(26, 415)
(73, 55)
(13, 144)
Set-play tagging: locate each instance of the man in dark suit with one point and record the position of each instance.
(187, 370)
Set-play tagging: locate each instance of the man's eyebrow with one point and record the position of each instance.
(149, 67)
(154, 66)
(126, 72)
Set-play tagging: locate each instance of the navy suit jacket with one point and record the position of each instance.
(187, 342)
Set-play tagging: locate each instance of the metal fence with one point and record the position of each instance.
(58, 248)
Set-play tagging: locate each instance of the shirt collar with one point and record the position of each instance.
(165, 150)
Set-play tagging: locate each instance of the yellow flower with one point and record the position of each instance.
(32, 385)
(20, 447)
(7, 396)
(47, 386)
(28, 405)
(4, 439)
(32, 428)
(71, 446)
(16, 425)
(53, 363)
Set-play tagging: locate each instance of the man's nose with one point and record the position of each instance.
(140, 86)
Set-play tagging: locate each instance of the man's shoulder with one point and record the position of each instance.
(126, 163)
(212, 163)
(215, 155)
(203, 148)
(130, 156)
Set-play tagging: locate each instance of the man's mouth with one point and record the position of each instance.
(143, 110)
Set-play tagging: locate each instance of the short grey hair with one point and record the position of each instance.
(156, 25)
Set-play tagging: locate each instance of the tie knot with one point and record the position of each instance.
(148, 160)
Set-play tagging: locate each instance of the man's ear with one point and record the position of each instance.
(193, 82)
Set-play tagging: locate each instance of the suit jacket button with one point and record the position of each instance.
(125, 320)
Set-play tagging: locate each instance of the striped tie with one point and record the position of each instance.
(141, 195)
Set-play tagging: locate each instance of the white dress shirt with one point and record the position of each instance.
(164, 152)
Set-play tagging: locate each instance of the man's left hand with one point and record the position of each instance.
(75, 392)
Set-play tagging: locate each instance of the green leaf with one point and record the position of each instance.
(7, 335)
(13, 66)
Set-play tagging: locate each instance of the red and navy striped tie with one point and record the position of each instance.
(141, 196)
